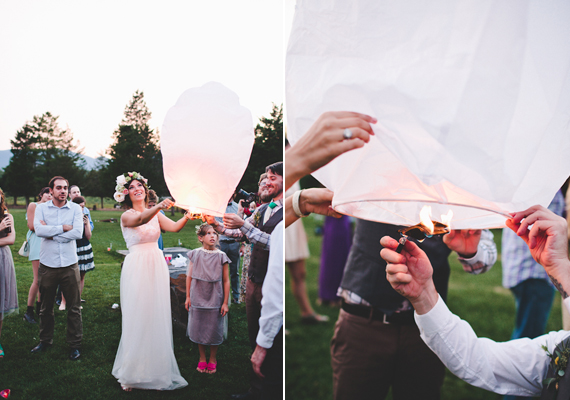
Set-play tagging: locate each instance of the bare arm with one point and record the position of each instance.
(30, 213)
(226, 280)
(166, 224)
(187, 304)
(86, 226)
(8, 221)
(314, 200)
(132, 220)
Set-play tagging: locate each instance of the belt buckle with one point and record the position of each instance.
(384, 320)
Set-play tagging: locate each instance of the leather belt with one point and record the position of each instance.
(227, 241)
(400, 318)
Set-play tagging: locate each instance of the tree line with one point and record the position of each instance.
(42, 149)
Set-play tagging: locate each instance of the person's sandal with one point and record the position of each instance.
(212, 367)
(202, 366)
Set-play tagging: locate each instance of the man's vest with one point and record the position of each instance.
(260, 257)
(563, 392)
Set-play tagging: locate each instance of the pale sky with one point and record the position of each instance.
(84, 60)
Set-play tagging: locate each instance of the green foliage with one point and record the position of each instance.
(478, 299)
(135, 148)
(40, 151)
(52, 375)
(267, 149)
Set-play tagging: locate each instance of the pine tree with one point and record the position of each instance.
(135, 148)
(41, 150)
(267, 149)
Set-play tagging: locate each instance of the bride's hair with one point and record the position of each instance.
(128, 203)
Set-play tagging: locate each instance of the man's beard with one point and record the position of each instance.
(265, 197)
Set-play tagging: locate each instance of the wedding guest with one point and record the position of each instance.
(257, 229)
(519, 367)
(84, 249)
(207, 296)
(231, 246)
(267, 358)
(59, 223)
(74, 191)
(246, 245)
(34, 244)
(337, 241)
(296, 252)
(375, 337)
(145, 357)
(8, 288)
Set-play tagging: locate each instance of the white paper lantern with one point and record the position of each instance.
(206, 141)
(472, 99)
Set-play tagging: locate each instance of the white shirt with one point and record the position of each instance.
(61, 251)
(271, 319)
(516, 367)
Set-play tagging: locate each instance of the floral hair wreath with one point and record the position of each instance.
(123, 181)
(199, 228)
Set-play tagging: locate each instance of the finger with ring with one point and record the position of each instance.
(347, 134)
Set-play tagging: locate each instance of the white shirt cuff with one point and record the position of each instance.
(435, 319)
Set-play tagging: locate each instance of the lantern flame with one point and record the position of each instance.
(446, 219)
(425, 219)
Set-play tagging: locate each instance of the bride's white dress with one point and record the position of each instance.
(145, 358)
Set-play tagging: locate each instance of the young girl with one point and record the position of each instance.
(8, 289)
(207, 293)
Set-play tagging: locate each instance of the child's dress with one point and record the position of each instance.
(205, 323)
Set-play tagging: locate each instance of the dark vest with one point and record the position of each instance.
(260, 257)
(365, 270)
(563, 392)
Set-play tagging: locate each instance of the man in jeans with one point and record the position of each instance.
(59, 223)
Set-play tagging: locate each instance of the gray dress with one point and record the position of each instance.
(205, 323)
(8, 289)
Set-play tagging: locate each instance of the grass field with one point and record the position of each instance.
(481, 300)
(52, 376)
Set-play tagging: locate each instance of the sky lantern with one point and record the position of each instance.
(472, 100)
(206, 141)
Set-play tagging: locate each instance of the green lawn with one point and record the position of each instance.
(480, 300)
(52, 376)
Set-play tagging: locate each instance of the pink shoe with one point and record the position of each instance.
(212, 367)
(202, 365)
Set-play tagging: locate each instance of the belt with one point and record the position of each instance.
(400, 318)
(227, 240)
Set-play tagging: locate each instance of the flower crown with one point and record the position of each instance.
(199, 228)
(123, 181)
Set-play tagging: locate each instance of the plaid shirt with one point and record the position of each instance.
(518, 264)
(249, 228)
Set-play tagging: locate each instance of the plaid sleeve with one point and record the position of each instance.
(255, 235)
(484, 258)
(234, 233)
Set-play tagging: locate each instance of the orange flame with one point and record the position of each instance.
(425, 219)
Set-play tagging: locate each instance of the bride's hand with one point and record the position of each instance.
(165, 204)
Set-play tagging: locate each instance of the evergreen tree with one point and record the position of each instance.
(135, 148)
(40, 151)
(267, 149)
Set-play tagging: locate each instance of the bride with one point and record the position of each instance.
(145, 358)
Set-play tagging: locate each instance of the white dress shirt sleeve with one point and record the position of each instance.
(271, 319)
(45, 231)
(77, 231)
(516, 367)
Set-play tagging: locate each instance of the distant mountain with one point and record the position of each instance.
(6, 155)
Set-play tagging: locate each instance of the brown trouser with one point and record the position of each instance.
(253, 311)
(68, 279)
(369, 356)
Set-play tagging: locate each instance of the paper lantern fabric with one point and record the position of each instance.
(472, 99)
(206, 142)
